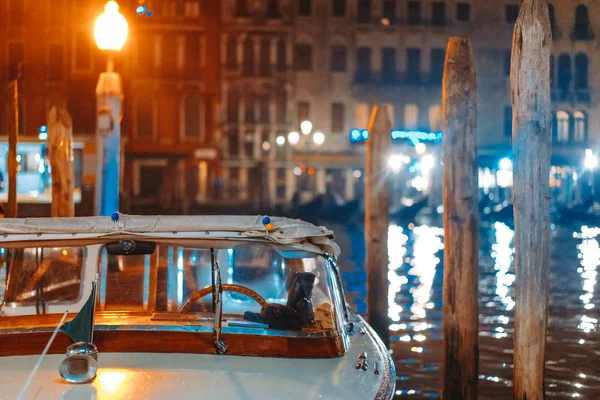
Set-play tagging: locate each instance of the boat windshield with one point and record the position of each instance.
(263, 285)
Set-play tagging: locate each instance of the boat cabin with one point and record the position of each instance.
(247, 286)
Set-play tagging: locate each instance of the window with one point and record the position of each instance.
(414, 13)
(16, 59)
(438, 13)
(249, 144)
(193, 117)
(55, 62)
(364, 11)
(562, 127)
(241, 8)
(145, 117)
(248, 63)
(361, 116)
(265, 57)
(508, 122)
(552, 14)
(463, 12)
(337, 117)
(303, 57)
(581, 71)
(339, 8)
(411, 116)
(511, 13)
(233, 147)
(273, 9)
(145, 55)
(413, 65)
(438, 58)
(338, 58)
(389, 11)
(580, 125)
(233, 106)
(263, 105)
(507, 61)
(56, 12)
(83, 51)
(192, 53)
(303, 111)
(180, 42)
(191, 9)
(281, 108)
(435, 118)
(564, 73)
(16, 12)
(281, 56)
(363, 64)
(388, 64)
(304, 7)
(231, 52)
(249, 111)
(582, 23)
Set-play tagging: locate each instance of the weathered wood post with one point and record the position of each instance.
(13, 140)
(530, 81)
(460, 293)
(60, 142)
(377, 203)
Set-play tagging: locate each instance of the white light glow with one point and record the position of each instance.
(266, 146)
(420, 148)
(319, 138)
(306, 127)
(395, 162)
(280, 140)
(297, 171)
(591, 161)
(293, 138)
(356, 173)
(506, 164)
(110, 29)
(428, 162)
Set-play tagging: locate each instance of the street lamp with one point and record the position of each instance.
(110, 32)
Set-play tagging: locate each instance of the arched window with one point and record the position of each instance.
(231, 52)
(193, 117)
(581, 71)
(248, 66)
(582, 23)
(145, 117)
(580, 126)
(564, 72)
(562, 128)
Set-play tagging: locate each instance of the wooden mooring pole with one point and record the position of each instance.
(60, 142)
(530, 81)
(13, 140)
(460, 293)
(377, 203)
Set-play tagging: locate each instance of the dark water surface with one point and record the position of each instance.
(415, 311)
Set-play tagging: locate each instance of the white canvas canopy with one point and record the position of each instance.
(290, 232)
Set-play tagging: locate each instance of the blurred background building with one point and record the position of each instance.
(216, 92)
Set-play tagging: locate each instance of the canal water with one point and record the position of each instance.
(415, 308)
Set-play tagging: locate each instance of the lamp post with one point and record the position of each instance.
(110, 32)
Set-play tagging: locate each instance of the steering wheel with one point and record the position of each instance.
(227, 287)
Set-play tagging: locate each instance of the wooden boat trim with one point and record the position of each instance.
(154, 341)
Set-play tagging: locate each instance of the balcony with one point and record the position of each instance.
(425, 80)
(572, 97)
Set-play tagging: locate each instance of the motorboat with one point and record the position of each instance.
(181, 307)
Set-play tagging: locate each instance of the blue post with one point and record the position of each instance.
(109, 95)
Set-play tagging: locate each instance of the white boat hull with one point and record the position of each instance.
(152, 376)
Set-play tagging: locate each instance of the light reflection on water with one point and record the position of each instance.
(415, 311)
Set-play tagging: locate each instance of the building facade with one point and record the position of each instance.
(171, 80)
(348, 55)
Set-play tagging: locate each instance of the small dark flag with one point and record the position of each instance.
(81, 328)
